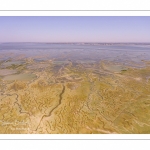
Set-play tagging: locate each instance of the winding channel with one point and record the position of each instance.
(59, 103)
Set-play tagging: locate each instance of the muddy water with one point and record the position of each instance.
(12, 63)
(24, 76)
(114, 68)
(4, 72)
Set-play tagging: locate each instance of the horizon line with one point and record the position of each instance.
(81, 42)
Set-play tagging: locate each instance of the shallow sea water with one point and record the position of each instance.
(127, 54)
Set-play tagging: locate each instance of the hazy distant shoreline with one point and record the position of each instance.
(80, 43)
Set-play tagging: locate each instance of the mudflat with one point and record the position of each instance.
(76, 92)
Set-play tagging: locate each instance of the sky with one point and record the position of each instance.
(74, 29)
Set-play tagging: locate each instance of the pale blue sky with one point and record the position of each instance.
(74, 29)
